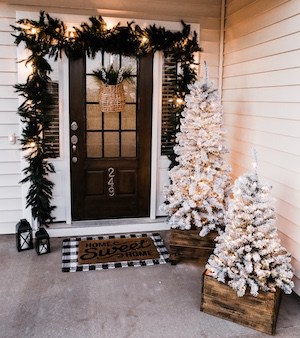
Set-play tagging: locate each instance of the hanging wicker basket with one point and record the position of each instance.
(111, 98)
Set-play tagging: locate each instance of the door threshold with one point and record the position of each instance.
(107, 226)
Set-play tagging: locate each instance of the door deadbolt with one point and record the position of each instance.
(74, 126)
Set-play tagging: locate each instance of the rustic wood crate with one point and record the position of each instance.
(187, 245)
(260, 313)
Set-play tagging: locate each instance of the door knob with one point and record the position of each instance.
(74, 139)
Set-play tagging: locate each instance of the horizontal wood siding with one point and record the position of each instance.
(261, 86)
(10, 167)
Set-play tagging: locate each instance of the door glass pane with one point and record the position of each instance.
(129, 62)
(111, 144)
(93, 64)
(94, 144)
(130, 90)
(111, 59)
(111, 134)
(92, 89)
(129, 117)
(128, 144)
(93, 117)
(111, 121)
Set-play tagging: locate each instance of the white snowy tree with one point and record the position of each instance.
(200, 182)
(248, 254)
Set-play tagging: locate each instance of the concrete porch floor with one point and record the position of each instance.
(38, 300)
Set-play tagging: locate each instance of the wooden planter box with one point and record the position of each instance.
(187, 245)
(260, 313)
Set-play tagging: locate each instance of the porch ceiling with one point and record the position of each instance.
(155, 9)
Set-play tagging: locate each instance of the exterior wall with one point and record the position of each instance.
(205, 12)
(10, 166)
(261, 84)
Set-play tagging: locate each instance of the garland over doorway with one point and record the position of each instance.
(50, 37)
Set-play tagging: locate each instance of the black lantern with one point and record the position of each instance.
(42, 242)
(24, 235)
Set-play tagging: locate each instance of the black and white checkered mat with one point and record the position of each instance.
(70, 253)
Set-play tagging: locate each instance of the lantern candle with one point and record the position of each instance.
(24, 235)
(42, 242)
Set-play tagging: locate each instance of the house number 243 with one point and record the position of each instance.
(111, 182)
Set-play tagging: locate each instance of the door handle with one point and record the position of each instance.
(74, 141)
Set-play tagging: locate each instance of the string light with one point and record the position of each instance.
(145, 39)
(255, 161)
(71, 33)
(32, 148)
(179, 101)
(206, 72)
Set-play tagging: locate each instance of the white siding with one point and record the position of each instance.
(261, 86)
(10, 168)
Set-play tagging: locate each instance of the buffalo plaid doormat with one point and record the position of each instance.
(100, 245)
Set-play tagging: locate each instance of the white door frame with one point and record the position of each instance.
(62, 177)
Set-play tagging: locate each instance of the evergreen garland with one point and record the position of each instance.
(48, 37)
(34, 113)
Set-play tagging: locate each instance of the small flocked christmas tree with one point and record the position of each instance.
(248, 254)
(200, 182)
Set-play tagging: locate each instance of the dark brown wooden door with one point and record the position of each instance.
(110, 152)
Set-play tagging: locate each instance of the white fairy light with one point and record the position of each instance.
(255, 161)
(145, 39)
(206, 73)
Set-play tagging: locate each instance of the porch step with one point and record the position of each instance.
(109, 226)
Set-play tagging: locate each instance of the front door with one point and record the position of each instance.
(110, 152)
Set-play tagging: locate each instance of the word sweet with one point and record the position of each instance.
(121, 249)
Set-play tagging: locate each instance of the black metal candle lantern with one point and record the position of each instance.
(24, 235)
(42, 242)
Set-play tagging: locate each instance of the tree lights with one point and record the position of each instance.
(196, 196)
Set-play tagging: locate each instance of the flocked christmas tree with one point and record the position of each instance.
(200, 182)
(249, 254)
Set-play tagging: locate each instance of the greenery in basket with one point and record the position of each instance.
(112, 76)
